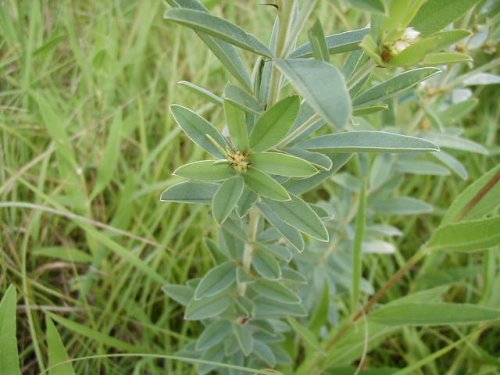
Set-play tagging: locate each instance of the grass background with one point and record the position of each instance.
(87, 145)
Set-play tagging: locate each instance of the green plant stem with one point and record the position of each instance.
(253, 226)
(285, 23)
(357, 262)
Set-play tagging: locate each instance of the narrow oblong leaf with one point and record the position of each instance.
(368, 141)
(467, 236)
(205, 170)
(323, 87)
(246, 202)
(338, 43)
(213, 334)
(226, 197)
(274, 124)
(204, 93)
(190, 192)
(9, 356)
(216, 281)
(282, 164)
(207, 307)
(433, 314)
(287, 231)
(266, 265)
(266, 308)
(395, 85)
(315, 158)
(452, 163)
(301, 216)
(402, 206)
(242, 99)
(437, 14)
(179, 293)
(244, 338)
(199, 130)
(455, 142)
(57, 352)
(219, 28)
(318, 42)
(265, 185)
(275, 291)
(237, 125)
(422, 167)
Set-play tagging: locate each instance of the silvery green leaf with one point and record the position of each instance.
(266, 308)
(179, 293)
(299, 215)
(202, 92)
(265, 185)
(338, 43)
(266, 265)
(246, 202)
(318, 42)
(216, 281)
(275, 291)
(242, 99)
(281, 164)
(402, 206)
(264, 352)
(394, 86)
(226, 198)
(218, 28)
(199, 130)
(287, 231)
(244, 338)
(278, 250)
(205, 170)
(421, 167)
(207, 307)
(190, 192)
(455, 142)
(368, 141)
(213, 334)
(323, 87)
(315, 158)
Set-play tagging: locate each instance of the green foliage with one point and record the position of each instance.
(316, 187)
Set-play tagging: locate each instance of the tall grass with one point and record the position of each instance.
(86, 147)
